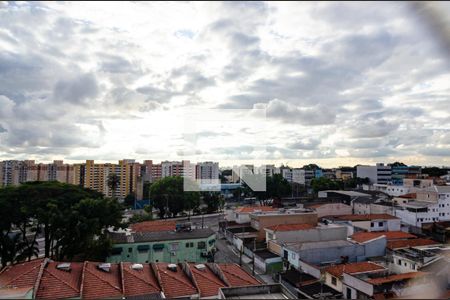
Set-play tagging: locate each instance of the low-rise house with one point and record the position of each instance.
(241, 215)
(306, 286)
(330, 209)
(371, 222)
(363, 236)
(262, 220)
(342, 196)
(266, 291)
(381, 286)
(288, 233)
(163, 246)
(415, 258)
(46, 279)
(339, 251)
(402, 244)
(367, 206)
(267, 261)
(334, 274)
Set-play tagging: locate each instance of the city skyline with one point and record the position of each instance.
(335, 84)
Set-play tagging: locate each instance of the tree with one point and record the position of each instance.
(397, 164)
(322, 183)
(113, 182)
(72, 219)
(434, 171)
(169, 197)
(310, 167)
(277, 187)
(212, 200)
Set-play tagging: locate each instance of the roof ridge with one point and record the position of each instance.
(174, 277)
(215, 280)
(92, 273)
(236, 275)
(63, 281)
(24, 273)
(141, 279)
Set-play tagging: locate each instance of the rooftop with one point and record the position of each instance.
(353, 268)
(347, 193)
(154, 226)
(250, 209)
(362, 237)
(291, 227)
(138, 237)
(409, 196)
(392, 245)
(396, 277)
(369, 217)
(266, 291)
(265, 254)
(317, 245)
(94, 280)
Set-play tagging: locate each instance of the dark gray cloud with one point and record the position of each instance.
(77, 90)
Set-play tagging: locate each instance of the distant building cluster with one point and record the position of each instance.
(95, 176)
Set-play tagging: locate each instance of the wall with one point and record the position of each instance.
(164, 255)
(374, 248)
(309, 269)
(333, 209)
(427, 196)
(328, 281)
(367, 171)
(405, 265)
(357, 284)
(274, 248)
(313, 235)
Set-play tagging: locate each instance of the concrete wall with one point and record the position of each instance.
(313, 235)
(274, 248)
(333, 209)
(309, 269)
(427, 196)
(328, 281)
(357, 284)
(374, 248)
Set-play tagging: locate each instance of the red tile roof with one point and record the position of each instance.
(57, 283)
(250, 209)
(390, 235)
(139, 282)
(410, 243)
(100, 284)
(21, 275)
(175, 284)
(409, 196)
(291, 227)
(353, 268)
(236, 276)
(207, 282)
(154, 226)
(397, 277)
(366, 217)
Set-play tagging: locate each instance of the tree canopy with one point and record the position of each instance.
(72, 219)
(168, 195)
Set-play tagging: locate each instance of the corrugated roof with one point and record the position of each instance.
(410, 243)
(396, 277)
(390, 235)
(291, 227)
(139, 282)
(100, 284)
(154, 226)
(175, 284)
(236, 276)
(353, 268)
(207, 281)
(56, 283)
(21, 275)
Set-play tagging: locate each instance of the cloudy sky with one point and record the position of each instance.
(329, 83)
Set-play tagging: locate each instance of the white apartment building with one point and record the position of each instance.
(432, 205)
(207, 172)
(379, 173)
(286, 173)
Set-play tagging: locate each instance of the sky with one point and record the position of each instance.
(332, 83)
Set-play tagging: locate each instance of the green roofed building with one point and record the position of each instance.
(197, 245)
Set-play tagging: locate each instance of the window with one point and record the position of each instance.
(333, 280)
(399, 262)
(349, 293)
(189, 245)
(372, 224)
(201, 245)
(116, 251)
(173, 246)
(143, 248)
(293, 255)
(158, 247)
(130, 250)
(380, 224)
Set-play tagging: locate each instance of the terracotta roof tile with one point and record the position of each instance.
(236, 276)
(21, 275)
(291, 227)
(100, 284)
(175, 284)
(208, 283)
(154, 226)
(353, 268)
(397, 277)
(57, 283)
(366, 217)
(250, 209)
(390, 235)
(410, 243)
(139, 282)
(409, 196)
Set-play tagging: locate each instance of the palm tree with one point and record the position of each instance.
(113, 182)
